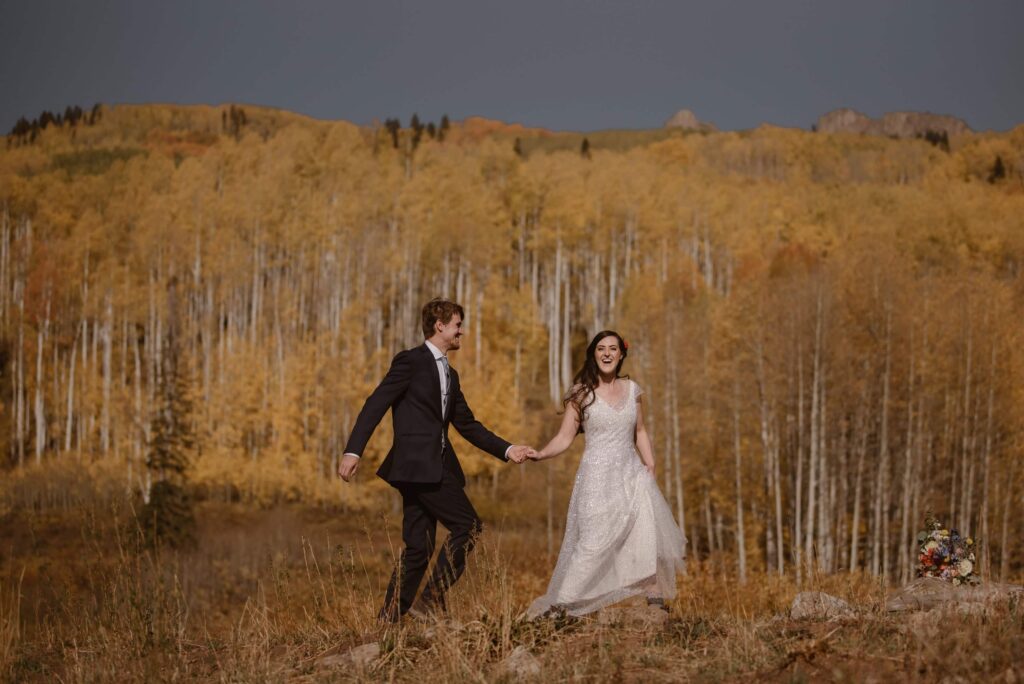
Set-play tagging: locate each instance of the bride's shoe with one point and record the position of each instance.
(657, 602)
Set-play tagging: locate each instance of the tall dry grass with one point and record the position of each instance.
(266, 595)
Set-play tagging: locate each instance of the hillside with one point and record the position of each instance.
(851, 301)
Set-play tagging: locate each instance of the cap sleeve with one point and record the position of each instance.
(637, 391)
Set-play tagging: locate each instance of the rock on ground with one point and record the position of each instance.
(818, 605)
(520, 663)
(926, 593)
(360, 656)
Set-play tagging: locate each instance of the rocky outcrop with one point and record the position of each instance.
(894, 124)
(520, 664)
(817, 605)
(359, 657)
(688, 121)
(926, 593)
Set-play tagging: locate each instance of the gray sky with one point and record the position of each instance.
(557, 64)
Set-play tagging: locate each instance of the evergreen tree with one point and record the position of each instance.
(168, 518)
(417, 130)
(442, 130)
(585, 149)
(938, 138)
(393, 126)
(998, 171)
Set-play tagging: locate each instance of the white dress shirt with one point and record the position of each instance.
(441, 359)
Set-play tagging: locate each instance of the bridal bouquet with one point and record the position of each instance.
(944, 554)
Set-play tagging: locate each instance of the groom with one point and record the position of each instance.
(424, 396)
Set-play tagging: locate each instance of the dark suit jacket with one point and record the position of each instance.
(411, 389)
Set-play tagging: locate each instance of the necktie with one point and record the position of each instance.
(446, 383)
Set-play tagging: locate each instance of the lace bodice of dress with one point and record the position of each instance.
(612, 428)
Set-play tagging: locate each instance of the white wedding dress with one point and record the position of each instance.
(620, 537)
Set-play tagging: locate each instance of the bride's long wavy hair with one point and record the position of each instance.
(587, 378)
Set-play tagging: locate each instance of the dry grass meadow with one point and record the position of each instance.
(269, 594)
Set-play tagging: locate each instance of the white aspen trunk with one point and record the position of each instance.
(19, 373)
(141, 431)
(208, 335)
(769, 444)
(39, 404)
(798, 486)
(256, 294)
(554, 327)
(827, 482)
(861, 430)
(920, 477)
(966, 434)
(58, 376)
(535, 277)
(676, 457)
(521, 248)
(108, 324)
(780, 551)
(613, 263)
(881, 481)
(1004, 537)
(986, 468)
(694, 254)
(948, 457)
(550, 520)
(478, 328)
(566, 352)
(709, 264)
(815, 451)
(707, 522)
(71, 395)
(630, 232)
(741, 539)
(5, 266)
(906, 547)
(967, 527)
(841, 506)
(518, 370)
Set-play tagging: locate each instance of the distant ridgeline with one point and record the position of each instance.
(195, 301)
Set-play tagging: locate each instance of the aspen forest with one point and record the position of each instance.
(827, 327)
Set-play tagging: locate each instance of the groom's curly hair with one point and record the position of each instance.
(581, 396)
(438, 309)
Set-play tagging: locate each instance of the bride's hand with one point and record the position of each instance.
(650, 468)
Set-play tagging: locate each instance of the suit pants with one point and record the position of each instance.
(423, 506)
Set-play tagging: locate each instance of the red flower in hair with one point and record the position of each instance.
(625, 345)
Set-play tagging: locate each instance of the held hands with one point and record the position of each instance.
(519, 453)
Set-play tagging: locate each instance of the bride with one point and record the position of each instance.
(620, 537)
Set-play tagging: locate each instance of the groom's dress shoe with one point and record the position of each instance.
(420, 616)
(389, 615)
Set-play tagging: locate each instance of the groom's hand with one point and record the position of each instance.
(517, 454)
(347, 466)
